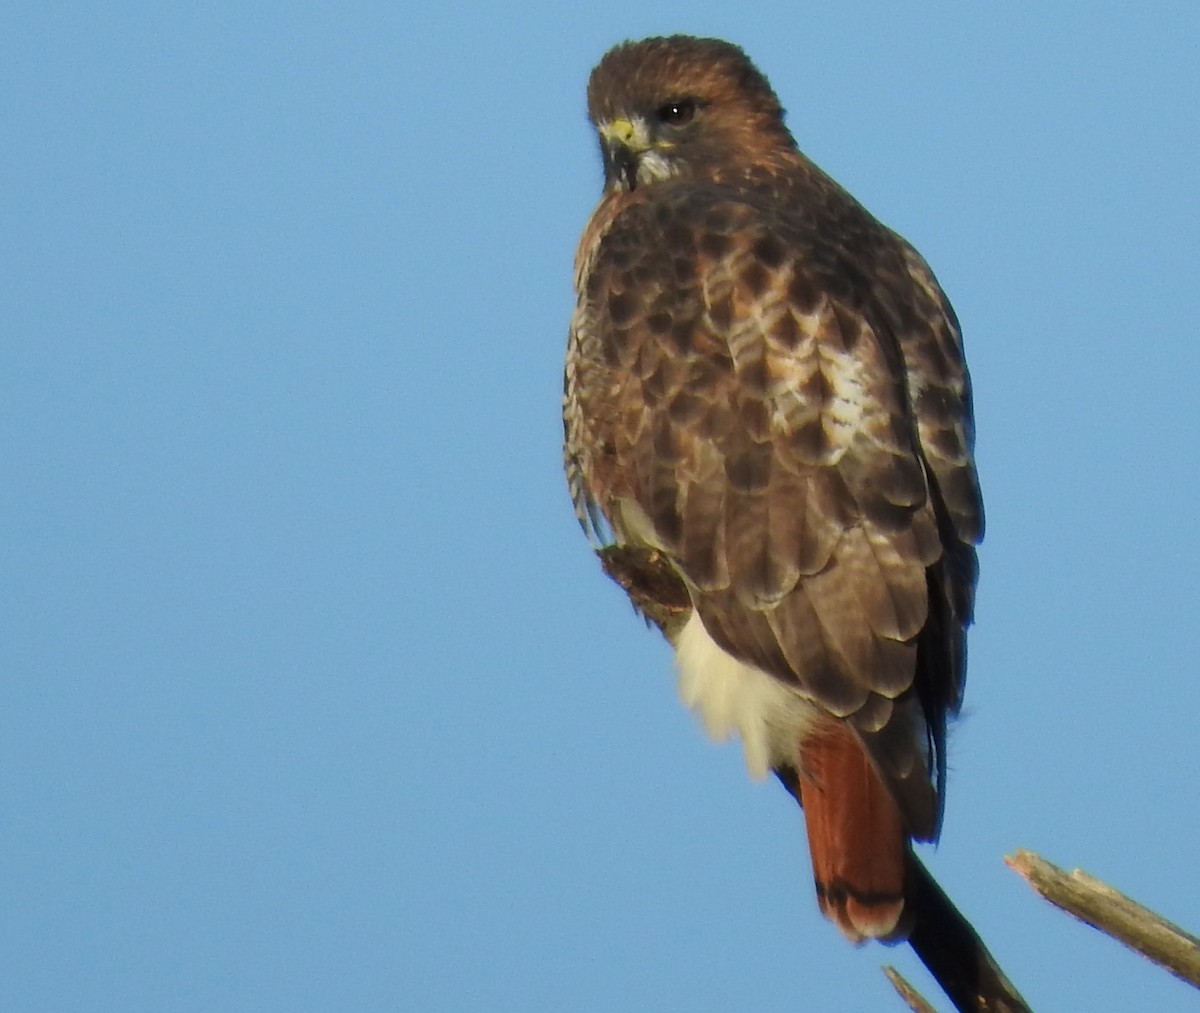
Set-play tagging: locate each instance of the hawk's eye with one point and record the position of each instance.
(676, 114)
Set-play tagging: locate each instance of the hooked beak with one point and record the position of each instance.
(623, 142)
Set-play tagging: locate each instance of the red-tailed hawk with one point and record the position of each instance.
(765, 390)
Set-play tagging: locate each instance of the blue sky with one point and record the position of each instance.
(312, 696)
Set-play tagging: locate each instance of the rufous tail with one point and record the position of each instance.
(856, 837)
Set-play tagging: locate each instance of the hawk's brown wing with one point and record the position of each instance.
(753, 397)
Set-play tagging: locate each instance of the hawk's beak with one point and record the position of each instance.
(623, 142)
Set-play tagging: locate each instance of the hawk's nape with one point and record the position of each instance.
(768, 416)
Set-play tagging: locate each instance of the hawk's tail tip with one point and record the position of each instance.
(860, 918)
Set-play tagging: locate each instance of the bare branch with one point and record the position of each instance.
(916, 1002)
(953, 952)
(1114, 914)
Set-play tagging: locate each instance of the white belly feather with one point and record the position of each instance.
(733, 698)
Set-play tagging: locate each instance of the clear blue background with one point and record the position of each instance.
(312, 695)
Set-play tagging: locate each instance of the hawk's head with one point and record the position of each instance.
(682, 107)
